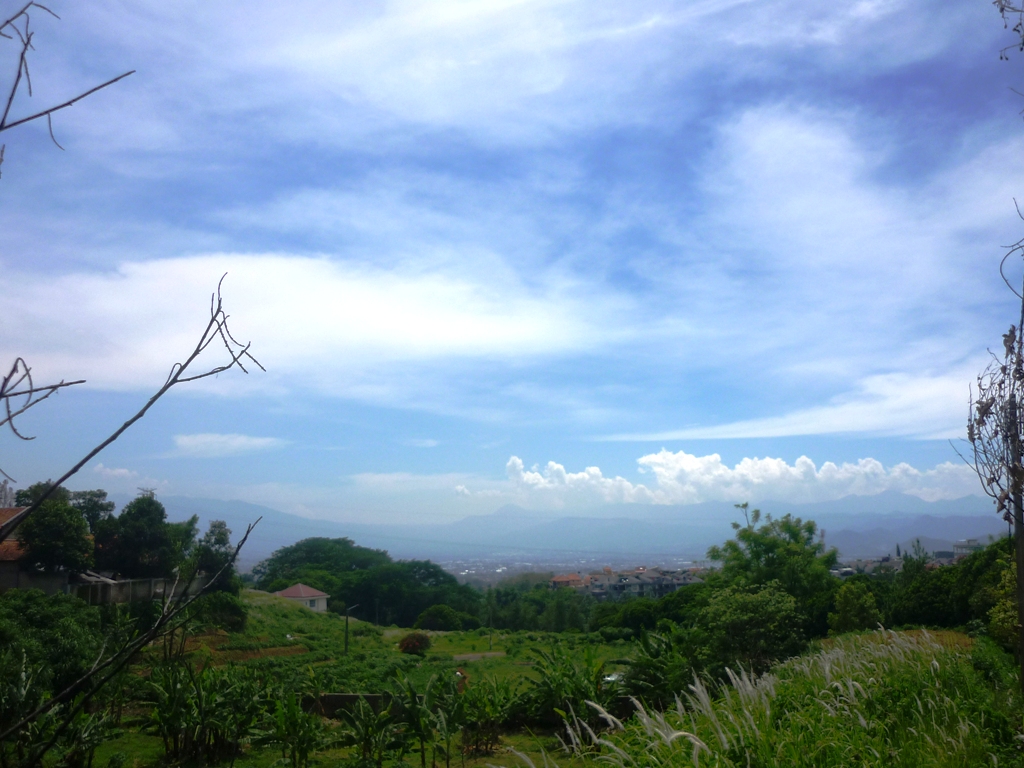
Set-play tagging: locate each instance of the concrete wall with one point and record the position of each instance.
(130, 590)
(12, 577)
(318, 604)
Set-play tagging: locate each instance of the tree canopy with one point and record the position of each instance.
(385, 590)
(56, 537)
(140, 543)
(786, 550)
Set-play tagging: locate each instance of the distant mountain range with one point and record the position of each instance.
(859, 526)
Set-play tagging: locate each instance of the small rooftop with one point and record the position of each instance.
(6, 513)
(301, 591)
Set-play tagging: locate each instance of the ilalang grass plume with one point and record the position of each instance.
(880, 699)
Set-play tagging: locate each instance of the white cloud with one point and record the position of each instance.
(682, 478)
(319, 323)
(122, 480)
(421, 443)
(928, 407)
(118, 473)
(511, 69)
(211, 445)
(685, 478)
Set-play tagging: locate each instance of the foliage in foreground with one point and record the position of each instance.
(884, 699)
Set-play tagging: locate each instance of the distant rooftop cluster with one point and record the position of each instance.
(936, 559)
(639, 582)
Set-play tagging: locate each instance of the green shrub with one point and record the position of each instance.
(749, 628)
(417, 643)
(855, 609)
(222, 610)
(441, 618)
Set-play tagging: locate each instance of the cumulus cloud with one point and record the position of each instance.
(683, 478)
(212, 445)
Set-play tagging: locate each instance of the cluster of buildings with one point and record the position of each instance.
(639, 582)
(936, 559)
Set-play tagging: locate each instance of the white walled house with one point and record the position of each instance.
(311, 598)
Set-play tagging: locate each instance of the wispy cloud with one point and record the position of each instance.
(211, 445)
(901, 405)
(421, 442)
(313, 319)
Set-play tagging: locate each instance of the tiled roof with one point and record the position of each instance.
(6, 513)
(301, 591)
(10, 551)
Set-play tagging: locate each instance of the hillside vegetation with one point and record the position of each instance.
(771, 660)
(880, 699)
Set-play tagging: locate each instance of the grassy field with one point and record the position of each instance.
(879, 699)
(288, 638)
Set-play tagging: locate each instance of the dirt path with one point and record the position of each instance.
(478, 656)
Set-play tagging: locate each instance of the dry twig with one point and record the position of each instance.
(216, 330)
(19, 26)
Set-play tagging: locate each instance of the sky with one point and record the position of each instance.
(555, 254)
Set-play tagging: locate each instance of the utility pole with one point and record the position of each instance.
(347, 611)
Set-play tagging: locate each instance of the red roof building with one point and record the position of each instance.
(311, 598)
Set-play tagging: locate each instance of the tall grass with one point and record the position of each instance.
(885, 699)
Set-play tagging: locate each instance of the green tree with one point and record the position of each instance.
(855, 609)
(317, 554)
(213, 553)
(788, 551)
(751, 627)
(140, 543)
(56, 537)
(922, 594)
(34, 492)
(442, 618)
(93, 506)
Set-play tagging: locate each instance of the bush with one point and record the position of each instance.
(442, 618)
(58, 634)
(417, 643)
(751, 627)
(222, 610)
(855, 609)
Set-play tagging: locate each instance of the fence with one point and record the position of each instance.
(129, 590)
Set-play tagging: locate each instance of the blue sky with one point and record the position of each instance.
(555, 254)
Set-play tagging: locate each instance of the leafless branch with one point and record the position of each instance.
(46, 112)
(216, 328)
(1012, 13)
(19, 26)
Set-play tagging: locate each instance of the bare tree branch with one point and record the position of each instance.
(19, 25)
(1008, 10)
(46, 112)
(995, 430)
(216, 327)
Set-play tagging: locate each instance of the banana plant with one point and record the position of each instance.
(373, 734)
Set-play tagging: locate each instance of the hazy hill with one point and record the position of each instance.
(859, 526)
